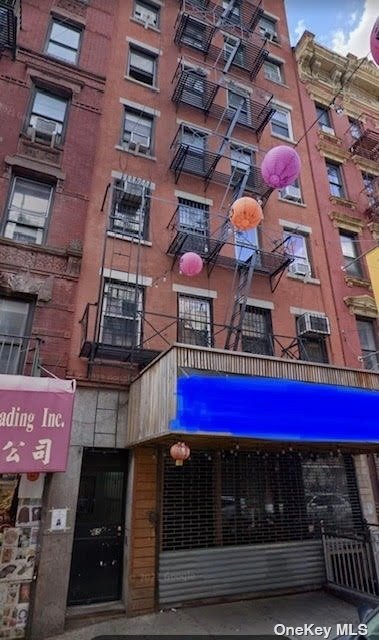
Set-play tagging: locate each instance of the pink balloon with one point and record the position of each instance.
(374, 41)
(190, 264)
(280, 167)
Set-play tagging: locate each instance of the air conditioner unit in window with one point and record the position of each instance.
(311, 324)
(44, 130)
(139, 143)
(327, 129)
(291, 193)
(300, 268)
(269, 35)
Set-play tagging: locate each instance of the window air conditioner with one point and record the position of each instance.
(291, 193)
(270, 35)
(327, 129)
(44, 129)
(300, 268)
(311, 324)
(139, 143)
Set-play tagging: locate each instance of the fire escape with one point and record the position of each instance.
(10, 16)
(197, 25)
(363, 142)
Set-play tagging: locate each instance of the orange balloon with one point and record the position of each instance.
(246, 213)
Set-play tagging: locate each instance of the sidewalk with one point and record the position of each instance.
(236, 618)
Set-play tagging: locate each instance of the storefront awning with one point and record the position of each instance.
(275, 409)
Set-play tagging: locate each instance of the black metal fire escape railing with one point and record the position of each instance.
(237, 18)
(250, 55)
(193, 89)
(9, 17)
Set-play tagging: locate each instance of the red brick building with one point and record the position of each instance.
(53, 61)
(195, 95)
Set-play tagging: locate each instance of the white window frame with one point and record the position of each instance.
(273, 71)
(303, 259)
(272, 23)
(245, 113)
(11, 225)
(13, 344)
(139, 119)
(287, 113)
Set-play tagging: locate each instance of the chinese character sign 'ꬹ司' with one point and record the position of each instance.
(35, 423)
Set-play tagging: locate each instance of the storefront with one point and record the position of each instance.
(273, 459)
(35, 425)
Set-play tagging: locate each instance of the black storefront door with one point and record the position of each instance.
(98, 550)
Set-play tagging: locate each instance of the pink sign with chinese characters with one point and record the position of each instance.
(35, 423)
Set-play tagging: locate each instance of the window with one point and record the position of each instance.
(273, 70)
(14, 315)
(121, 317)
(355, 128)
(234, 16)
(193, 219)
(234, 101)
(28, 211)
(267, 28)
(257, 331)
(351, 251)
(242, 159)
(130, 207)
(196, 140)
(64, 41)
(239, 56)
(368, 338)
(312, 348)
(47, 116)
(142, 66)
(194, 325)
(323, 117)
(146, 12)
(194, 34)
(296, 246)
(371, 183)
(281, 123)
(138, 128)
(194, 90)
(335, 180)
(292, 192)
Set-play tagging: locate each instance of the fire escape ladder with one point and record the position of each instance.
(234, 328)
(232, 55)
(226, 13)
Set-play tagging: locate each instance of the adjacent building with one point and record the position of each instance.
(53, 60)
(245, 362)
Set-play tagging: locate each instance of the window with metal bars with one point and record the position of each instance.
(193, 218)
(257, 331)
(122, 314)
(194, 326)
(221, 498)
(130, 207)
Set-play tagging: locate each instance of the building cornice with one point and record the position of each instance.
(361, 306)
(356, 79)
(374, 228)
(343, 221)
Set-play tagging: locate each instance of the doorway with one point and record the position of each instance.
(98, 548)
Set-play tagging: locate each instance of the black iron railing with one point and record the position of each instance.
(140, 340)
(19, 355)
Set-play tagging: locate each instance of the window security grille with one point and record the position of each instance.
(235, 498)
(194, 326)
(257, 331)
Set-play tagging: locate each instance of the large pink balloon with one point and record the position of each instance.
(280, 167)
(374, 41)
(190, 264)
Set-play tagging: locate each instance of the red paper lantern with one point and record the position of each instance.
(180, 452)
(374, 41)
(32, 477)
(190, 264)
(246, 213)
